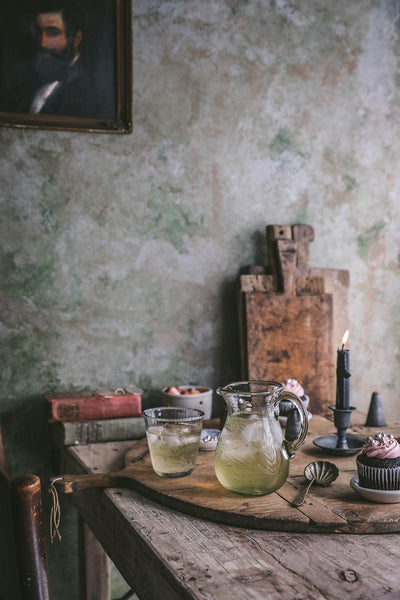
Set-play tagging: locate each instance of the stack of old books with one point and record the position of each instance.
(99, 416)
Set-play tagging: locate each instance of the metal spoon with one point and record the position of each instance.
(320, 472)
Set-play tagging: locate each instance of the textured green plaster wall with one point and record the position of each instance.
(120, 253)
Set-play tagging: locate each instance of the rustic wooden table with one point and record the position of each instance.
(167, 555)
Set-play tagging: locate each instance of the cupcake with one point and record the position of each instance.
(378, 465)
(292, 385)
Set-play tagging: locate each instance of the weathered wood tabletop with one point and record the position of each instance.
(164, 554)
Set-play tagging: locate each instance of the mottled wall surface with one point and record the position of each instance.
(120, 254)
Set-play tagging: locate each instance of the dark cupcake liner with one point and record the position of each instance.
(377, 478)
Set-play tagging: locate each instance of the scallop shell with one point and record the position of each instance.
(322, 471)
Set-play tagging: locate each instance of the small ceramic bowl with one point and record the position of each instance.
(209, 439)
(202, 401)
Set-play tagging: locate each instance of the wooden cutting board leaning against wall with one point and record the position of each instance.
(292, 318)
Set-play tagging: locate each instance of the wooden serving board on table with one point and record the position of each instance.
(336, 508)
(292, 319)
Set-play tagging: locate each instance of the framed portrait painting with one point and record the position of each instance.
(66, 64)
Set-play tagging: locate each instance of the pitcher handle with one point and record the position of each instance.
(291, 447)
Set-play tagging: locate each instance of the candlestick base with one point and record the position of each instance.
(328, 444)
(341, 419)
(341, 444)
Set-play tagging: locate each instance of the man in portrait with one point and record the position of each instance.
(56, 75)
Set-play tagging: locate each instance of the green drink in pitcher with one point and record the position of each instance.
(250, 460)
(252, 457)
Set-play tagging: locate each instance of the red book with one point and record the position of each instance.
(87, 406)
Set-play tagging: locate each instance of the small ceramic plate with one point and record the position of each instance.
(209, 439)
(381, 496)
(283, 420)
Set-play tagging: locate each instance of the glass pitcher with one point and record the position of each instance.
(252, 456)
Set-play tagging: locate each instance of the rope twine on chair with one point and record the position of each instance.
(55, 513)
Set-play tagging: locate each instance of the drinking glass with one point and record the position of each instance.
(173, 436)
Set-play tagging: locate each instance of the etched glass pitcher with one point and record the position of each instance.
(252, 456)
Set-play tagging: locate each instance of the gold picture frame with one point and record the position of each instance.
(91, 61)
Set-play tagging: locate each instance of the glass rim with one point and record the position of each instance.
(199, 414)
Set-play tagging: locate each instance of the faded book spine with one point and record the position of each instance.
(88, 408)
(104, 430)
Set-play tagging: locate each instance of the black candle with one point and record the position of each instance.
(343, 375)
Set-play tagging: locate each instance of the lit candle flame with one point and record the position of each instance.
(345, 338)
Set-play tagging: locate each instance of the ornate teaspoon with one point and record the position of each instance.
(320, 472)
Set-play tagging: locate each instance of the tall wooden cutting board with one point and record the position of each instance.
(292, 318)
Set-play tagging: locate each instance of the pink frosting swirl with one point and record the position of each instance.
(292, 385)
(381, 446)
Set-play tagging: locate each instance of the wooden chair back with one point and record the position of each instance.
(3, 464)
(23, 558)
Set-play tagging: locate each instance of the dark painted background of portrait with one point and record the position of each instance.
(97, 55)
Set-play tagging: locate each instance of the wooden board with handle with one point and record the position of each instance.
(335, 508)
(293, 318)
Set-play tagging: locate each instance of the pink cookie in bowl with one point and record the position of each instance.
(189, 396)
